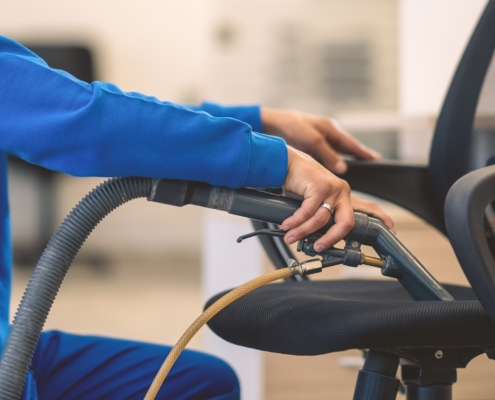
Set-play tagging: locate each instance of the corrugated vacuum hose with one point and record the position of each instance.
(56, 259)
(209, 313)
(50, 272)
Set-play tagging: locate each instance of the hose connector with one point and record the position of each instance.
(307, 267)
(372, 261)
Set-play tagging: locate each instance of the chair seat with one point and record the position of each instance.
(319, 317)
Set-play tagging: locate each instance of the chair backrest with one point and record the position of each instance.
(464, 138)
(466, 218)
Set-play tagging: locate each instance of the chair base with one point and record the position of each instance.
(427, 374)
(428, 384)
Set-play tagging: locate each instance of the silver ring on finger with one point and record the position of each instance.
(327, 207)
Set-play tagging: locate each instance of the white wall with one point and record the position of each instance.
(152, 46)
(155, 47)
(225, 265)
(432, 38)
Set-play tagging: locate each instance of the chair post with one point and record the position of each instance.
(428, 384)
(433, 392)
(376, 381)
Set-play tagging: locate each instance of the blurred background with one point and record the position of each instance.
(381, 67)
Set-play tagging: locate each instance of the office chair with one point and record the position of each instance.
(430, 339)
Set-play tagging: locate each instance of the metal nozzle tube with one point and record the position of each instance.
(373, 261)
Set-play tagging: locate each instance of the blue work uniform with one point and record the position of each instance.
(50, 118)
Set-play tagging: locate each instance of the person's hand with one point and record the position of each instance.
(373, 210)
(315, 184)
(323, 138)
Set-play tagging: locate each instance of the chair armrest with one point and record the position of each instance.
(402, 184)
(465, 217)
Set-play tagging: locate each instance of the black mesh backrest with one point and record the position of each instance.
(464, 137)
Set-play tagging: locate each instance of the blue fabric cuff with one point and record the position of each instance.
(249, 114)
(268, 162)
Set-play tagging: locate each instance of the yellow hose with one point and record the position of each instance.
(209, 313)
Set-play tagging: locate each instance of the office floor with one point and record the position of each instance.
(155, 300)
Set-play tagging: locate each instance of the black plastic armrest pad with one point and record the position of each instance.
(402, 184)
(464, 216)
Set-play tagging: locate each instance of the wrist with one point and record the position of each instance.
(269, 120)
(294, 157)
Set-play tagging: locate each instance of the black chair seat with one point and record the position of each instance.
(319, 317)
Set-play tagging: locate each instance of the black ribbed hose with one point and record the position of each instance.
(50, 272)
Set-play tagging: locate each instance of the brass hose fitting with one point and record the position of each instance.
(372, 261)
(307, 267)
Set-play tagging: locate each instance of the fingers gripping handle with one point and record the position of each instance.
(263, 206)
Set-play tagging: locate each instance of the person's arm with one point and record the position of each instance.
(250, 114)
(320, 137)
(50, 118)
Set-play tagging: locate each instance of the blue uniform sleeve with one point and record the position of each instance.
(249, 114)
(50, 118)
